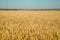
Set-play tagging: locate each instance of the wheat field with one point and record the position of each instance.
(29, 25)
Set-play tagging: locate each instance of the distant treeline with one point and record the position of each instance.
(30, 9)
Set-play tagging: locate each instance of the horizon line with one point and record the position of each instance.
(29, 9)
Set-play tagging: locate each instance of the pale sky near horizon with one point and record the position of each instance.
(29, 4)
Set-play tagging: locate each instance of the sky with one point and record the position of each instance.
(29, 4)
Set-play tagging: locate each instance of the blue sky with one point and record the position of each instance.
(29, 4)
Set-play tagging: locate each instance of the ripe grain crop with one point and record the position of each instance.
(29, 25)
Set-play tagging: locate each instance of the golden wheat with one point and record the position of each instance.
(29, 25)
